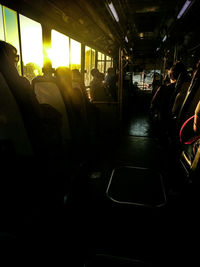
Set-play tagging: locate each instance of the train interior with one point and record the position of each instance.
(101, 183)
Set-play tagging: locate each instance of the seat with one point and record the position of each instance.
(190, 101)
(13, 133)
(47, 92)
(109, 118)
(190, 153)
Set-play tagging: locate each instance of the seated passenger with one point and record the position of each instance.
(75, 106)
(47, 70)
(64, 79)
(161, 103)
(38, 119)
(20, 86)
(98, 90)
(78, 82)
(156, 82)
(90, 111)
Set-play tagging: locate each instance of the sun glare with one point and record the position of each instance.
(75, 52)
(59, 53)
(31, 36)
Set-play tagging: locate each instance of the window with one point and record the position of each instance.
(2, 37)
(108, 62)
(11, 30)
(32, 50)
(75, 55)
(89, 64)
(59, 53)
(143, 80)
(101, 62)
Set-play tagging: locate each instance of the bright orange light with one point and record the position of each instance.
(31, 36)
(59, 52)
(75, 52)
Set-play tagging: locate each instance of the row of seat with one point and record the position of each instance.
(45, 138)
(179, 127)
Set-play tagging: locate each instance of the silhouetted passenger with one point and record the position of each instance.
(156, 82)
(78, 81)
(162, 101)
(47, 70)
(64, 79)
(166, 78)
(38, 119)
(90, 111)
(97, 87)
(111, 83)
(75, 105)
(101, 77)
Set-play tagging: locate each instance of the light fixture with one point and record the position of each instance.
(158, 48)
(141, 35)
(164, 38)
(113, 11)
(184, 8)
(126, 39)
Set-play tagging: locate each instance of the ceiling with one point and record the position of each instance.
(144, 22)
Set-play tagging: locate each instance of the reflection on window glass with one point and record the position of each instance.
(59, 49)
(32, 53)
(11, 30)
(75, 57)
(2, 37)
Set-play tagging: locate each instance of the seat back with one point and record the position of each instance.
(12, 129)
(108, 113)
(191, 100)
(47, 92)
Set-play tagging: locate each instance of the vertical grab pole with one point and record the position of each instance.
(164, 68)
(175, 52)
(20, 44)
(46, 40)
(120, 83)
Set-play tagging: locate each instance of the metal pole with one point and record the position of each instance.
(120, 83)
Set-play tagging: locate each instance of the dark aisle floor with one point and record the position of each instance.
(153, 235)
(139, 144)
(118, 229)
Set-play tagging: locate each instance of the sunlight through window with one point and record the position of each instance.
(75, 57)
(11, 30)
(59, 49)
(101, 62)
(32, 51)
(2, 37)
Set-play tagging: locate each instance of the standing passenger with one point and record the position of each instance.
(97, 87)
(111, 83)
